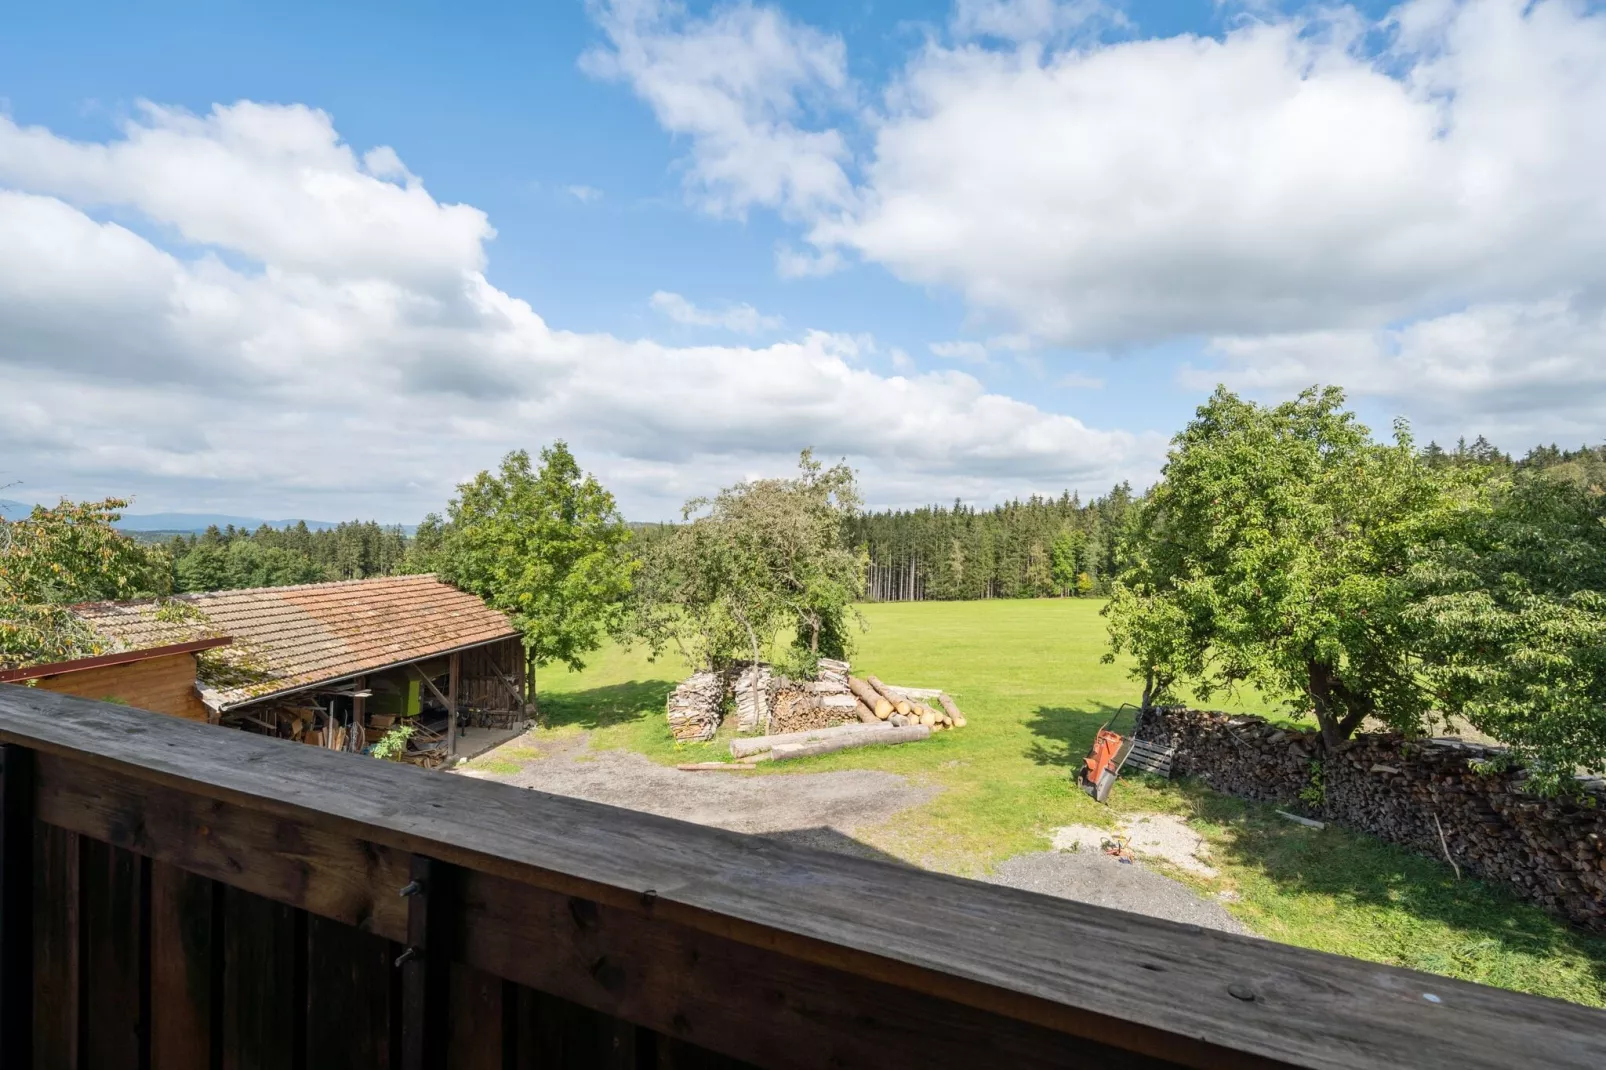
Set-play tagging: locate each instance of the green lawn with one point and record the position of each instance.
(1028, 676)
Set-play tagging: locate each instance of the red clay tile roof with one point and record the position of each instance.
(291, 637)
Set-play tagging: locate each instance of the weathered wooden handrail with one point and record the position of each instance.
(776, 955)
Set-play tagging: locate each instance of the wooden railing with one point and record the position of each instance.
(174, 895)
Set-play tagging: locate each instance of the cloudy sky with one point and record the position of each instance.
(328, 260)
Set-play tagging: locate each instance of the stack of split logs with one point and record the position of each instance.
(694, 707)
(903, 706)
(755, 698)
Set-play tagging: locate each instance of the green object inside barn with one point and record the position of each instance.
(400, 703)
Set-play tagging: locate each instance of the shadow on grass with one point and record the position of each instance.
(1064, 734)
(601, 707)
(1365, 872)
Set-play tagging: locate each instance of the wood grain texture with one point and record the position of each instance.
(350, 998)
(1154, 987)
(57, 962)
(113, 1027)
(186, 967)
(264, 983)
(320, 870)
(16, 903)
(161, 685)
(475, 1020)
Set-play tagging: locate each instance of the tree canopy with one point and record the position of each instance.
(1510, 619)
(55, 557)
(1274, 553)
(547, 547)
(756, 560)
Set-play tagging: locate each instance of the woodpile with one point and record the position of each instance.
(753, 693)
(694, 707)
(1439, 797)
(903, 706)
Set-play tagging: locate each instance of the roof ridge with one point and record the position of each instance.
(324, 584)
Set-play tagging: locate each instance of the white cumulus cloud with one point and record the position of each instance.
(741, 318)
(249, 365)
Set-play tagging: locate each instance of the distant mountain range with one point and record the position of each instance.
(176, 522)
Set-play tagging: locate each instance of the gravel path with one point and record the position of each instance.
(822, 810)
(811, 809)
(1091, 876)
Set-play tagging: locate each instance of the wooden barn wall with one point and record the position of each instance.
(140, 964)
(162, 685)
(479, 667)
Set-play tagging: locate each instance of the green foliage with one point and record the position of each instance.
(546, 547)
(393, 744)
(1274, 554)
(1314, 793)
(56, 557)
(1021, 549)
(231, 559)
(1511, 611)
(761, 558)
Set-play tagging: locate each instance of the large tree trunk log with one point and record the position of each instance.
(866, 714)
(867, 694)
(953, 710)
(886, 737)
(741, 748)
(883, 690)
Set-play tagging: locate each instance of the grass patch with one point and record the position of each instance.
(1029, 678)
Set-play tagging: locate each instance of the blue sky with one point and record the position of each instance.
(1091, 217)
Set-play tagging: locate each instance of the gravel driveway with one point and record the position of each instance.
(823, 810)
(812, 809)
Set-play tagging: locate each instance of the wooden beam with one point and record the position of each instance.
(454, 674)
(359, 711)
(442, 699)
(642, 916)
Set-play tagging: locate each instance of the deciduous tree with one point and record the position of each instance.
(1274, 554)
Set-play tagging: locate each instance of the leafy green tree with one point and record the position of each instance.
(1511, 609)
(547, 547)
(56, 557)
(757, 559)
(1274, 553)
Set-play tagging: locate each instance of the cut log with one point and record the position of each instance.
(741, 748)
(928, 718)
(873, 699)
(866, 714)
(948, 705)
(904, 706)
(897, 720)
(882, 689)
(914, 694)
(887, 737)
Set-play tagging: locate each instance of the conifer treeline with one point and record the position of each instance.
(233, 558)
(1022, 549)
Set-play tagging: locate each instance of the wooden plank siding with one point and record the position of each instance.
(559, 932)
(481, 667)
(163, 685)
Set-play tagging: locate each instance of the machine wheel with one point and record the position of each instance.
(1106, 781)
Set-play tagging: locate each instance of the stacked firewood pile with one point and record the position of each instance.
(754, 695)
(782, 706)
(695, 707)
(1439, 797)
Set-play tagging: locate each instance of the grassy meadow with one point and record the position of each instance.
(1029, 677)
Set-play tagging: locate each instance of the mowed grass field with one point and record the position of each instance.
(1030, 678)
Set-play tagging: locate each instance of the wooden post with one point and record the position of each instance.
(451, 705)
(16, 905)
(359, 712)
(426, 968)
